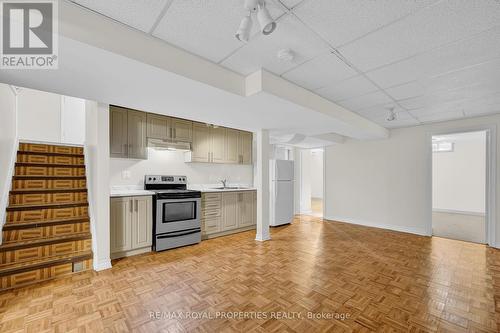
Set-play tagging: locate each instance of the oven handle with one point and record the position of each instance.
(180, 233)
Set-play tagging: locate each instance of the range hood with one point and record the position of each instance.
(160, 144)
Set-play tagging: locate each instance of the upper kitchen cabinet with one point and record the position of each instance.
(158, 127)
(167, 128)
(182, 130)
(127, 133)
(220, 145)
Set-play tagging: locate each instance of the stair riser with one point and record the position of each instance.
(40, 184)
(39, 275)
(39, 252)
(47, 214)
(42, 159)
(42, 148)
(49, 171)
(47, 198)
(44, 232)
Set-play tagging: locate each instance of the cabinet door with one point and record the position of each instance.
(118, 137)
(158, 127)
(246, 208)
(229, 210)
(120, 224)
(201, 143)
(137, 142)
(142, 222)
(182, 130)
(245, 147)
(231, 149)
(218, 144)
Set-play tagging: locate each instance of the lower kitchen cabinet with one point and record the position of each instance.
(131, 225)
(224, 213)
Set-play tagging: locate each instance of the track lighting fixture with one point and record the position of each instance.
(266, 22)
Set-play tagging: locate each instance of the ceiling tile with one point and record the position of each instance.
(140, 14)
(483, 47)
(352, 87)
(262, 51)
(320, 72)
(341, 21)
(482, 109)
(206, 28)
(407, 90)
(444, 22)
(365, 101)
(403, 119)
(441, 116)
(290, 3)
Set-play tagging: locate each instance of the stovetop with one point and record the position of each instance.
(169, 187)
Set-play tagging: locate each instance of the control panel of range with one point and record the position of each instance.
(155, 179)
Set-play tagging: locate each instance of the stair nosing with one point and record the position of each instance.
(45, 191)
(26, 152)
(16, 245)
(47, 223)
(79, 256)
(19, 177)
(49, 165)
(14, 208)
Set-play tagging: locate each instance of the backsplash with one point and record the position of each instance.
(164, 162)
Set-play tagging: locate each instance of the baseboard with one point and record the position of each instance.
(409, 230)
(123, 254)
(100, 265)
(461, 212)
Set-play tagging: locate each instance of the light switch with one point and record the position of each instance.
(126, 174)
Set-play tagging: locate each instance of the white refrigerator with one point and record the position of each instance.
(281, 176)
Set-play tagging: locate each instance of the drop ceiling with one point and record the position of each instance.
(432, 60)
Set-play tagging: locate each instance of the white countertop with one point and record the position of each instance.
(133, 191)
(128, 191)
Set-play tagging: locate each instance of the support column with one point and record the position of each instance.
(262, 184)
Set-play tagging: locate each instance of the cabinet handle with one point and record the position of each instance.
(136, 205)
(175, 133)
(208, 158)
(131, 202)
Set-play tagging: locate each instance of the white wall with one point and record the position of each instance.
(386, 183)
(305, 181)
(459, 177)
(8, 144)
(48, 117)
(97, 168)
(164, 162)
(316, 173)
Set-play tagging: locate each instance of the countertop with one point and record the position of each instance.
(133, 191)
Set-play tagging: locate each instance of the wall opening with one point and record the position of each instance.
(312, 182)
(459, 179)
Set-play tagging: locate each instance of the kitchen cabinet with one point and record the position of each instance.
(127, 133)
(228, 212)
(182, 130)
(158, 127)
(220, 145)
(201, 143)
(131, 225)
(231, 146)
(168, 128)
(245, 147)
(217, 145)
(118, 132)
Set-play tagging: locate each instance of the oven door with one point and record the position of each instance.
(177, 214)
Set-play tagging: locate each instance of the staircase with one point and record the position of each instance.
(47, 230)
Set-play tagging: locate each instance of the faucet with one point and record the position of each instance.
(223, 181)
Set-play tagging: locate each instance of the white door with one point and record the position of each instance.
(283, 202)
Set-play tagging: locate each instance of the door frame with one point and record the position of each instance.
(490, 188)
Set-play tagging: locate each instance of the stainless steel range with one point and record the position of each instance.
(176, 212)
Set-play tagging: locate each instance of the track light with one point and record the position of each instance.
(266, 22)
(243, 33)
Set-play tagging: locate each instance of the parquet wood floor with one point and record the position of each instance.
(384, 281)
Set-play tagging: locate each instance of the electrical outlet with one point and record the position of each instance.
(126, 174)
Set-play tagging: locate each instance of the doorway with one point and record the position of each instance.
(459, 186)
(311, 182)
